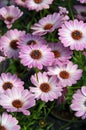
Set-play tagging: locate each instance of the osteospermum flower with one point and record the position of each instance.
(47, 24)
(10, 14)
(8, 43)
(36, 56)
(61, 54)
(67, 74)
(17, 100)
(8, 81)
(7, 122)
(80, 12)
(38, 4)
(82, 1)
(79, 103)
(73, 34)
(47, 89)
(21, 2)
(29, 39)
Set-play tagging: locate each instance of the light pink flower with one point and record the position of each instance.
(21, 2)
(17, 100)
(82, 1)
(61, 54)
(73, 34)
(79, 103)
(8, 81)
(36, 56)
(47, 24)
(29, 39)
(8, 122)
(8, 43)
(38, 4)
(47, 88)
(80, 12)
(9, 14)
(68, 74)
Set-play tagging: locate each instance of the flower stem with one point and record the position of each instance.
(70, 9)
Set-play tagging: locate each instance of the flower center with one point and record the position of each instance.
(83, 14)
(45, 87)
(31, 42)
(48, 26)
(76, 35)
(36, 54)
(17, 103)
(56, 53)
(23, 0)
(38, 1)
(64, 74)
(2, 128)
(7, 85)
(13, 44)
(9, 18)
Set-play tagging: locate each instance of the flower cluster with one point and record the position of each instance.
(42, 51)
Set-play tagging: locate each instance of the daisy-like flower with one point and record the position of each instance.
(36, 56)
(10, 14)
(73, 34)
(29, 39)
(79, 103)
(47, 24)
(17, 100)
(80, 12)
(38, 4)
(47, 88)
(61, 54)
(82, 1)
(7, 122)
(8, 43)
(21, 2)
(8, 81)
(67, 74)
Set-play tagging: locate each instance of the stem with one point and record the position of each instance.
(70, 9)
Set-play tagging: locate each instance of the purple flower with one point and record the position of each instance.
(29, 39)
(38, 4)
(67, 74)
(10, 14)
(47, 24)
(7, 122)
(8, 81)
(36, 56)
(61, 54)
(73, 34)
(79, 103)
(82, 1)
(80, 12)
(47, 88)
(8, 43)
(17, 100)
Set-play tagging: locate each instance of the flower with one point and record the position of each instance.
(21, 2)
(73, 34)
(38, 4)
(36, 56)
(68, 74)
(82, 1)
(17, 100)
(8, 81)
(47, 88)
(80, 12)
(10, 14)
(2, 57)
(79, 102)
(29, 39)
(8, 43)
(47, 24)
(8, 122)
(61, 54)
